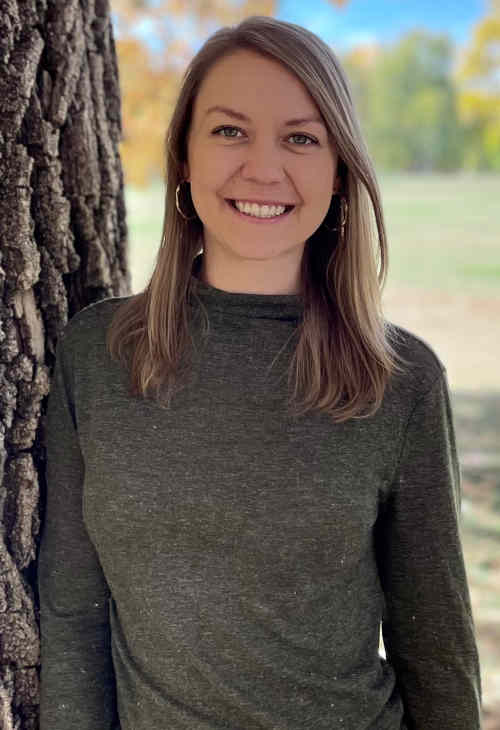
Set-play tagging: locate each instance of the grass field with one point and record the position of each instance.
(443, 285)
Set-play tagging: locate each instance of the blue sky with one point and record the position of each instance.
(382, 20)
(359, 21)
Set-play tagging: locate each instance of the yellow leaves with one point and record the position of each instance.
(492, 136)
(483, 56)
(479, 80)
(148, 95)
(363, 55)
(259, 7)
(476, 105)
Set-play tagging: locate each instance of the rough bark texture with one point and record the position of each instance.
(62, 245)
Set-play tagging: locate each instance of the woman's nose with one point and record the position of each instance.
(263, 162)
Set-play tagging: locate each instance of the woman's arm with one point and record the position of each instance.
(428, 627)
(77, 678)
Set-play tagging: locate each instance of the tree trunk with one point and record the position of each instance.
(63, 245)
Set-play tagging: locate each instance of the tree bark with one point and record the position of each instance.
(63, 245)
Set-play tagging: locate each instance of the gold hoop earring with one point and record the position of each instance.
(344, 209)
(177, 203)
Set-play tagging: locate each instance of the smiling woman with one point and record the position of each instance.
(222, 545)
(259, 164)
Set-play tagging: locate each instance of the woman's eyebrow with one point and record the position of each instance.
(243, 118)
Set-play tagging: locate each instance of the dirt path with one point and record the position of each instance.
(463, 329)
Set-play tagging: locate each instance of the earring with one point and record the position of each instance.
(344, 209)
(177, 203)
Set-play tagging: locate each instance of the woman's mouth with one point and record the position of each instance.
(256, 219)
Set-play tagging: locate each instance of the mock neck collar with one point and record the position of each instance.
(243, 304)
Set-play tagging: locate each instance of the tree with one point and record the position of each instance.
(63, 245)
(478, 77)
(408, 103)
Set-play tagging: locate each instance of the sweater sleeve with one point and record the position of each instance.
(77, 687)
(428, 627)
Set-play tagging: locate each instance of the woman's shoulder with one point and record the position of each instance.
(89, 325)
(420, 365)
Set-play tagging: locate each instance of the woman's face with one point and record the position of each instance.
(261, 158)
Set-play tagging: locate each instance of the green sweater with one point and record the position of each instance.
(219, 564)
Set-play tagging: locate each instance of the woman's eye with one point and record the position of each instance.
(223, 129)
(310, 140)
(305, 136)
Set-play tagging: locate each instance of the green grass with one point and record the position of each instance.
(443, 231)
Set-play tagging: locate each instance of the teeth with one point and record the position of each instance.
(261, 211)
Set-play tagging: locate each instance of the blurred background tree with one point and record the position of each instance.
(408, 104)
(478, 78)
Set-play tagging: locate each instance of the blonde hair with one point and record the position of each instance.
(343, 358)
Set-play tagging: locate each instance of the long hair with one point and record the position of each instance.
(343, 358)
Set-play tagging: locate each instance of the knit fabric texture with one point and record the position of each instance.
(222, 564)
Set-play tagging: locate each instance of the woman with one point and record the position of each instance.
(218, 553)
